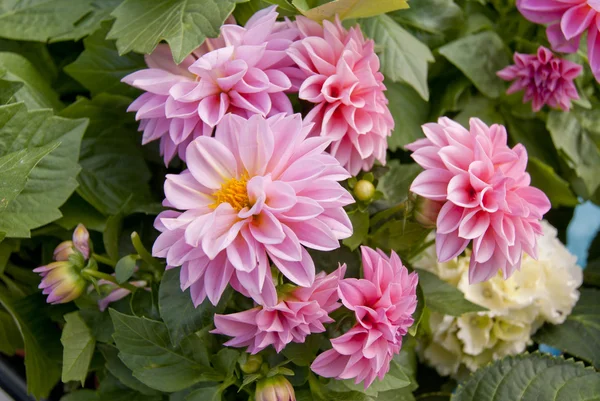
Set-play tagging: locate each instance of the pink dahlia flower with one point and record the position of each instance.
(245, 71)
(259, 190)
(383, 303)
(344, 83)
(546, 79)
(568, 20)
(486, 193)
(301, 312)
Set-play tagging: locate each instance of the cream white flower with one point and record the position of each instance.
(544, 290)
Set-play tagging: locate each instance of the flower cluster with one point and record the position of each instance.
(545, 78)
(486, 193)
(383, 303)
(544, 290)
(567, 21)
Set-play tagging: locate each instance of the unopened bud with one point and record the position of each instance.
(426, 211)
(276, 388)
(81, 240)
(252, 364)
(61, 281)
(364, 190)
(63, 250)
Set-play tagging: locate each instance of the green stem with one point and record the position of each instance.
(154, 264)
(108, 277)
(104, 260)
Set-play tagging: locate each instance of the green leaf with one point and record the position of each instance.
(545, 178)
(403, 57)
(111, 389)
(39, 20)
(225, 361)
(10, 337)
(125, 268)
(99, 11)
(360, 227)
(409, 110)
(36, 91)
(41, 340)
(52, 181)
(399, 235)
(591, 274)
(81, 395)
(443, 297)
(15, 169)
(212, 393)
(113, 168)
(110, 236)
(177, 309)
(479, 57)
(579, 335)
(78, 343)
(99, 68)
(418, 315)
(395, 184)
(76, 210)
(118, 369)
(348, 9)
(145, 348)
(141, 24)
(8, 89)
(577, 150)
(482, 108)
(531, 377)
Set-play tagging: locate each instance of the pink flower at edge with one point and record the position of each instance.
(258, 191)
(567, 21)
(344, 83)
(544, 78)
(383, 303)
(245, 71)
(486, 193)
(300, 312)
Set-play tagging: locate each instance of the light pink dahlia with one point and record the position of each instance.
(298, 314)
(383, 303)
(259, 190)
(568, 20)
(245, 71)
(546, 79)
(344, 83)
(487, 195)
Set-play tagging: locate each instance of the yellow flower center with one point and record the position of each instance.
(233, 191)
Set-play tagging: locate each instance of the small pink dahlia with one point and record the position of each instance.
(258, 190)
(301, 312)
(546, 79)
(486, 193)
(245, 71)
(383, 303)
(344, 83)
(568, 20)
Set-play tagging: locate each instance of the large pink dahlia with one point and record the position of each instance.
(301, 312)
(487, 195)
(568, 20)
(546, 79)
(344, 83)
(383, 303)
(258, 190)
(245, 71)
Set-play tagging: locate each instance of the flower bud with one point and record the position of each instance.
(63, 250)
(81, 240)
(276, 388)
(252, 364)
(61, 281)
(426, 211)
(364, 190)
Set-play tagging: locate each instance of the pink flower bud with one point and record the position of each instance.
(61, 281)
(81, 240)
(426, 211)
(63, 250)
(276, 388)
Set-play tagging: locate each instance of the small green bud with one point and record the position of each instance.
(252, 364)
(364, 190)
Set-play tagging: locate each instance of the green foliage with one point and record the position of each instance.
(579, 335)
(184, 24)
(118, 369)
(99, 11)
(403, 58)
(10, 337)
(125, 268)
(113, 169)
(78, 344)
(409, 110)
(479, 57)
(360, 227)
(52, 180)
(443, 297)
(531, 377)
(348, 9)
